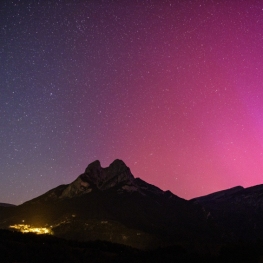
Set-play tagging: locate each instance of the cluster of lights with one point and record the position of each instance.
(30, 229)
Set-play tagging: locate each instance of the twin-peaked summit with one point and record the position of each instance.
(117, 175)
(116, 178)
(104, 178)
(117, 171)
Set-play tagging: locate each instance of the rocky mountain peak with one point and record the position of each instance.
(95, 177)
(116, 177)
(116, 167)
(108, 177)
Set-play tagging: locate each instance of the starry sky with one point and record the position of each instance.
(173, 88)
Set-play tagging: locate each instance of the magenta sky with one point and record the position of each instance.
(173, 88)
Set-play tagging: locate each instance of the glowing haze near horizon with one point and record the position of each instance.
(173, 88)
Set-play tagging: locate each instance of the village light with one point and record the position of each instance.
(30, 229)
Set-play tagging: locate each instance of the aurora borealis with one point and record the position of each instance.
(173, 88)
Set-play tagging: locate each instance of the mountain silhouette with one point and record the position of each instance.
(238, 210)
(110, 204)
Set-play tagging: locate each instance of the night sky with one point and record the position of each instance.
(173, 88)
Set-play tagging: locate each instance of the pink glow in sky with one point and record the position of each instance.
(173, 88)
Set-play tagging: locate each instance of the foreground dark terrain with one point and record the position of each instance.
(19, 247)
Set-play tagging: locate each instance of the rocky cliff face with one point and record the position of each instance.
(98, 178)
(105, 178)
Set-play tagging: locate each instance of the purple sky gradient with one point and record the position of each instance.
(173, 88)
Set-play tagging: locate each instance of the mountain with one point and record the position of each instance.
(239, 211)
(110, 204)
